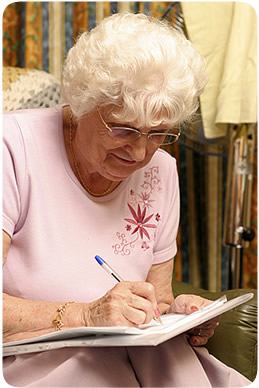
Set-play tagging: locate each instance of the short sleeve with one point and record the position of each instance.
(13, 172)
(165, 245)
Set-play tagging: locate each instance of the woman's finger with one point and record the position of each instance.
(198, 340)
(134, 316)
(141, 304)
(187, 304)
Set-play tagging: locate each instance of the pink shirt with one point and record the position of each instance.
(57, 228)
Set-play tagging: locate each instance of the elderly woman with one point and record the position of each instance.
(88, 178)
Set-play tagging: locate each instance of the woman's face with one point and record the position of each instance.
(111, 158)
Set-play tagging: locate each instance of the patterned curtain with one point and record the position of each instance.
(37, 35)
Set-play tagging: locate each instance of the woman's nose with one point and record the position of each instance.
(138, 148)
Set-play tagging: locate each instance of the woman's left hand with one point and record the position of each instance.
(187, 304)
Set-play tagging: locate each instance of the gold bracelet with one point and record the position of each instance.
(58, 321)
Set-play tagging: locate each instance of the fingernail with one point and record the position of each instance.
(194, 308)
(194, 341)
(157, 312)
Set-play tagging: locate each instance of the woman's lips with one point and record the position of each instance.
(123, 160)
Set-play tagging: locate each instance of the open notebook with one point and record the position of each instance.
(151, 334)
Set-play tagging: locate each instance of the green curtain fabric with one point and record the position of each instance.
(37, 35)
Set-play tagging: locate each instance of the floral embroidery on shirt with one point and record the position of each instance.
(144, 246)
(140, 221)
(145, 199)
(158, 217)
(141, 224)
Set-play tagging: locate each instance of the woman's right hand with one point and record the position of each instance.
(126, 304)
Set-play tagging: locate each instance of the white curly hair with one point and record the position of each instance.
(145, 70)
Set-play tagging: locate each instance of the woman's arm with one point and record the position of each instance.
(6, 244)
(160, 275)
(27, 318)
(24, 318)
(127, 304)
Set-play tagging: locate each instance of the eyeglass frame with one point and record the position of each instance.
(135, 130)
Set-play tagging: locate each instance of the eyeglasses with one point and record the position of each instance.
(126, 134)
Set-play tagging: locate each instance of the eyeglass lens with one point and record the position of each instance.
(129, 134)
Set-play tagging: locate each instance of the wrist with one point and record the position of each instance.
(58, 321)
(88, 313)
(73, 316)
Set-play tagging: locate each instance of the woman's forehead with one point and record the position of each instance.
(136, 125)
(118, 117)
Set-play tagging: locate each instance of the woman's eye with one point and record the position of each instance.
(124, 132)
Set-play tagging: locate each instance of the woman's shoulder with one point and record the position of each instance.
(29, 115)
(21, 122)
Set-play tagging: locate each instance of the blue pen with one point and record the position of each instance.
(117, 277)
(108, 269)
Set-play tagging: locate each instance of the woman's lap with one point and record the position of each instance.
(172, 364)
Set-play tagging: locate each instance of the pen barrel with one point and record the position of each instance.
(111, 272)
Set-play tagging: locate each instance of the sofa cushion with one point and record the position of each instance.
(235, 339)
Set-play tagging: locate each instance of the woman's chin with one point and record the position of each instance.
(118, 174)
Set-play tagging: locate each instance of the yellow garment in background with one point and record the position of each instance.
(225, 33)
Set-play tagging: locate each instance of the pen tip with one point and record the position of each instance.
(158, 319)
